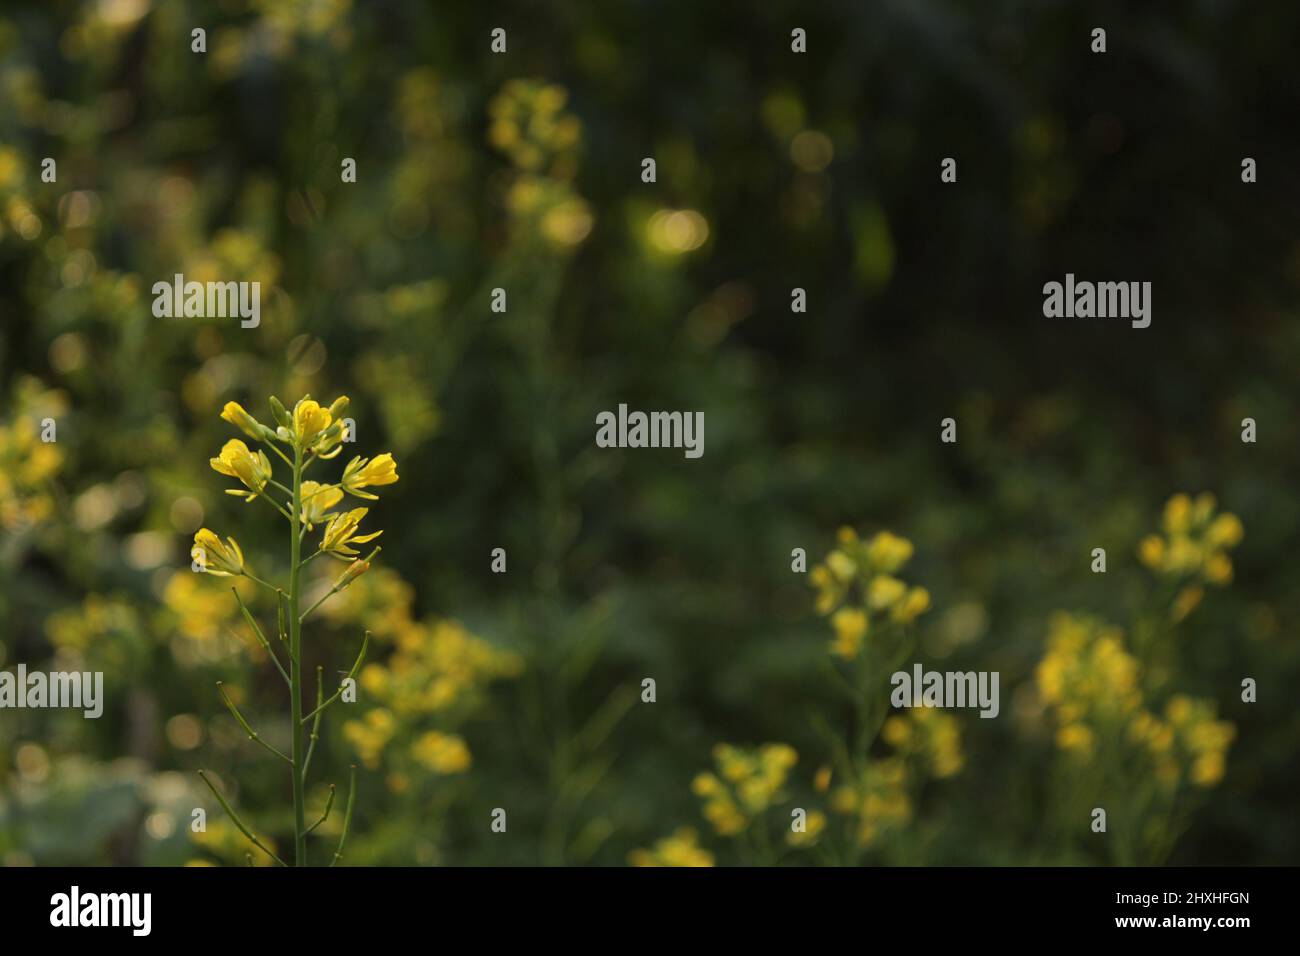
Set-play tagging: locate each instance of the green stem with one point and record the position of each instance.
(254, 578)
(347, 814)
(315, 727)
(329, 803)
(238, 822)
(295, 664)
(361, 655)
(253, 735)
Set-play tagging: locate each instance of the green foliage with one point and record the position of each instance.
(521, 172)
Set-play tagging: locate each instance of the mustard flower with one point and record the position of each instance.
(224, 559)
(250, 426)
(680, 849)
(252, 469)
(364, 472)
(341, 532)
(317, 499)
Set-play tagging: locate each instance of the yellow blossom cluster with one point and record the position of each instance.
(928, 736)
(27, 464)
(437, 669)
(311, 432)
(529, 124)
(1088, 678)
(748, 781)
(1188, 737)
(1091, 684)
(104, 630)
(680, 849)
(857, 586)
(441, 753)
(1192, 547)
(876, 799)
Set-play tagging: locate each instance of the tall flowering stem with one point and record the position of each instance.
(295, 660)
(310, 433)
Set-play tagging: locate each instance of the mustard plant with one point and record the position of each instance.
(309, 434)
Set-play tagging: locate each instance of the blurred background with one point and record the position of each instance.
(775, 170)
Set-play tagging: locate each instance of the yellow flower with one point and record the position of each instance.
(1075, 737)
(725, 816)
(896, 731)
(680, 849)
(234, 413)
(814, 824)
(822, 780)
(1186, 603)
(779, 757)
(341, 532)
(309, 421)
(888, 552)
(1179, 709)
(1152, 551)
(1218, 569)
(885, 591)
(1202, 508)
(1207, 769)
(316, 500)
(330, 442)
(706, 785)
(1225, 531)
(253, 470)
(442, 753)
(850, 626)
(215, 557)
(363, 472)
(1178, 514)
(841, 566)
(352, 572)
(913, 606)
(370, 736)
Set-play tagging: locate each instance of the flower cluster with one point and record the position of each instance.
(857, 586)
(437, 672)
(310, 432)
(680, 849)
(1187, 737)
(876, 799)
(27, 464)
(1088, 678)
(929, 737)
(748, 781)
(530, 126)
(1091, 684)
(1192, 548)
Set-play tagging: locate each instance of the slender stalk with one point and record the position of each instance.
(361, 655)
(238, 822)
(261, 637)
(295, 664)
(253, 735)
(329, 803)
(347, 814)
(315, 726)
